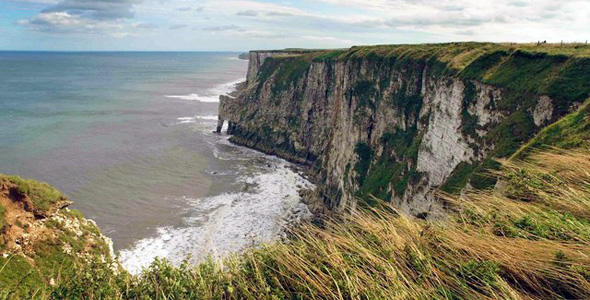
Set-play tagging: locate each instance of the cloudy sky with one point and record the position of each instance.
(259, 24)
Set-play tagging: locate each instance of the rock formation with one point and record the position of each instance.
(400, 122)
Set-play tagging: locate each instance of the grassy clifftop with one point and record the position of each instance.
(557, 70)
(573, 131)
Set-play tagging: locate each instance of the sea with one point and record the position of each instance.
(128, 136)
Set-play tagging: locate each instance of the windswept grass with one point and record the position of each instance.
(528, 240)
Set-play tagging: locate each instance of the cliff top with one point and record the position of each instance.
(459, 53)
(557, 70)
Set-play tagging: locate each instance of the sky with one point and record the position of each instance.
(236, 25)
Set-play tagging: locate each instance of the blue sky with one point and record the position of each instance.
(236, 25)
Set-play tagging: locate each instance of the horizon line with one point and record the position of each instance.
(131, 51)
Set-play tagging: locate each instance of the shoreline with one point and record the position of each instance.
(262, 207)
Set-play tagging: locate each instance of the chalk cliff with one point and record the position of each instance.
(400, 122)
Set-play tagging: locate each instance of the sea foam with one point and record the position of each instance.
(211, 95)
(229, 222)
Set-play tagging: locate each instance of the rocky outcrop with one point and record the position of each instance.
(390, 122)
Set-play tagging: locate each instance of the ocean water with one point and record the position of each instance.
(128, 137)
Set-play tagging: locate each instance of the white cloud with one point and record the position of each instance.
(318, 23)
(85, 16)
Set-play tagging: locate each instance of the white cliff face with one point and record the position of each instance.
(321, 117)
(444, 145)
(483, 108)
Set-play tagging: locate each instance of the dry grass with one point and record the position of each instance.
(530, 239)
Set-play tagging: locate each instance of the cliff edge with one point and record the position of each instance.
(42, 242)
(399, 122)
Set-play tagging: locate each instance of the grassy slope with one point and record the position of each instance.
(26, 271)
(41, 194)
(530, 241)
(573, 131)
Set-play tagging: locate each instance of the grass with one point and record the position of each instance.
(53, 245)
(16, 271)
(285, 72)
(42, 195)
(459, 178)
(529, 240)
(393, 170)
(366, 92)
(572, 131)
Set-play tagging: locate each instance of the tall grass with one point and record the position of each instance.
(528, 239)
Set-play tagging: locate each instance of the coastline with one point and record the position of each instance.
(264, 201)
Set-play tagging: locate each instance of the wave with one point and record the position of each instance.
(191, 97)
(193, 120)
(211, 95)
(229, 222)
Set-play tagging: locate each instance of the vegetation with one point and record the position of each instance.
(523, 71)
(459, 178)
(41, 242)
(285, 70)
(42, 195)
(572, 131)
(365, 153)
(530, 240)
(366, 92)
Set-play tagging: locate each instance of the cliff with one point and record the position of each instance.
(399, 122)
(42, 242)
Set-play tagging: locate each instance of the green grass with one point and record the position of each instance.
(329, 56)
(24, 280)
(459, 178)
(41, 194)
(27, 273)
(572, 131)
(285, 72)
(395, 167)
(469, 121)
(366, 92)
(512, 133)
